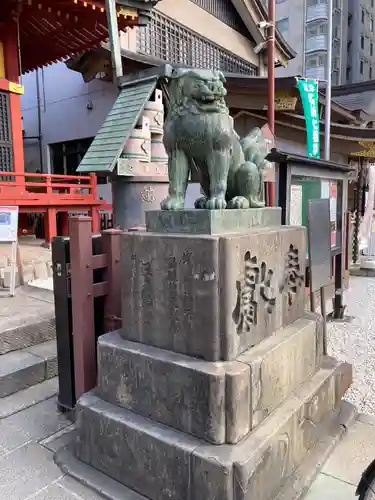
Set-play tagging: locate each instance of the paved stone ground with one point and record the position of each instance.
(28, 440)
(341, 473)
(355, 342)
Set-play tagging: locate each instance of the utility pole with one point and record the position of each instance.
(114, 40)
(327, 114)
(271, 82)
(338, 306)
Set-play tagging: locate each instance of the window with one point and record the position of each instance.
(363, 16)
(315, 61)
(66, 156)
(322, 60)
(311, 3)
(361, 66)
(317, 29)
(312, 31)
(312, 62)
(283, 25)
(362, 42)
(6, 148)
(371, 24)
(371, 49)
(348, 73)
(370, 73)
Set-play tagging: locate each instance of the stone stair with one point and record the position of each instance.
(28, 352)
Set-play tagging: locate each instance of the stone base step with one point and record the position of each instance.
(164, 464)
(219, 402)
(295, 487)
(27, 367)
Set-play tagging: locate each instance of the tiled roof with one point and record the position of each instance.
(109, 142)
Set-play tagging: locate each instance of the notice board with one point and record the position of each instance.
(319, 243)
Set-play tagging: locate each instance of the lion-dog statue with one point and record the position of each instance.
(199, 133)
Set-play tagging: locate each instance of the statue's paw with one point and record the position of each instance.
(200, 203)
(256, 203)
(216, 203)
(172, 203)
(239, 202)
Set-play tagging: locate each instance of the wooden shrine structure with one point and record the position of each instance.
(35, 33)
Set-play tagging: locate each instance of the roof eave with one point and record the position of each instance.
(279, 156)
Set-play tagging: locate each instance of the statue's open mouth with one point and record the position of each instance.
(211, 98)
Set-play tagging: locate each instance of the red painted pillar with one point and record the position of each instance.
(12, 73)
(64, 218)
(50, 226)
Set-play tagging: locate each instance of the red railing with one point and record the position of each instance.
(47, 186)
(51, 194)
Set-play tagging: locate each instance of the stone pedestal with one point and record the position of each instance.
(216, 386)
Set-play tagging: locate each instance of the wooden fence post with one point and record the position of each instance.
(84, 340)
(63, 315)
(112, 310)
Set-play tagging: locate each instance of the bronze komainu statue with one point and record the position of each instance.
(199, 133)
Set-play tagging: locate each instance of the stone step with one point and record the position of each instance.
(27, 367)
(281, 363)
(295, 488)
(210, 400)
(164, 464)
(28, 397)
(30, 332)
(216, 401)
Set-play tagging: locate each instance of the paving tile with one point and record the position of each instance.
(329, 488)
(26, 471)
(11, 436)
(79, 489)
(55, 492)
(352, 456)
(366, 419)
(28, 397)
(59, 439)
(33, 424)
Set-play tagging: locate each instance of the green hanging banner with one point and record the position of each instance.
(308, 90)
